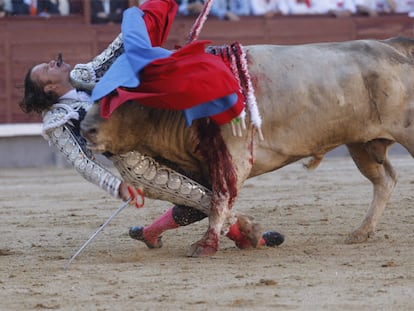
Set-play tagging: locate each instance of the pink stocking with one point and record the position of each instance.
(152, 232)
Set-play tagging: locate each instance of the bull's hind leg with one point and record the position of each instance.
(383, 178)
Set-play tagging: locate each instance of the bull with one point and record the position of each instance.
(312, 99)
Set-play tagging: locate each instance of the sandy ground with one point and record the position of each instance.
(47, 214)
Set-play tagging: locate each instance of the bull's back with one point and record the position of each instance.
(315, 97)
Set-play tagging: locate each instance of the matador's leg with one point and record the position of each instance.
(192, 199)
(180, 215)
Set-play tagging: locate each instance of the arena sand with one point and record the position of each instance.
(47, 214)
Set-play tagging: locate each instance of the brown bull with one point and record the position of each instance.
(312, 98)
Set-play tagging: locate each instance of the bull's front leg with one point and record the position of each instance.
(227, 174)
(220, 218)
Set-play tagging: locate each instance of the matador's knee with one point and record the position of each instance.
(185, 215)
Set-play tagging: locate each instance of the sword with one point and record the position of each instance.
(125, 204)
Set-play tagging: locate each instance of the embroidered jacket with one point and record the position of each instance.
(61, 129)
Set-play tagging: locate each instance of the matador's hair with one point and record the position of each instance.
(35, 98)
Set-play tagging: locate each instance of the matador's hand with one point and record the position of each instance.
(127, 191)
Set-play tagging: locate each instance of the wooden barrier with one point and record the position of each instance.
(26, 41)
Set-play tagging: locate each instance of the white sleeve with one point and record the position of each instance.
(70, 145)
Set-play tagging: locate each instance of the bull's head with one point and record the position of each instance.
(134, 127)
(116, 135)
(129, 128)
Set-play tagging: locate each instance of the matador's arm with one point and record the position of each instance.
(60, 129)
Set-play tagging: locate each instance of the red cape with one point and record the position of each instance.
(187, 78)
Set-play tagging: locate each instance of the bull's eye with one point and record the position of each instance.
(92, 131)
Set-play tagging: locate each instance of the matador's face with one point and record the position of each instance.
(50, 73)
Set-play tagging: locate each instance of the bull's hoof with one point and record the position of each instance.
(207, 246)
(273, 238)
(199, 250)
(250, 231)
(358, 237)
(137, 233)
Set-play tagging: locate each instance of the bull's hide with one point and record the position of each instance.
(312, 98)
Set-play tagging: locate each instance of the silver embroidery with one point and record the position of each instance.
(160, 182)
(85, 166)
(62, 112)
(85, 76)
